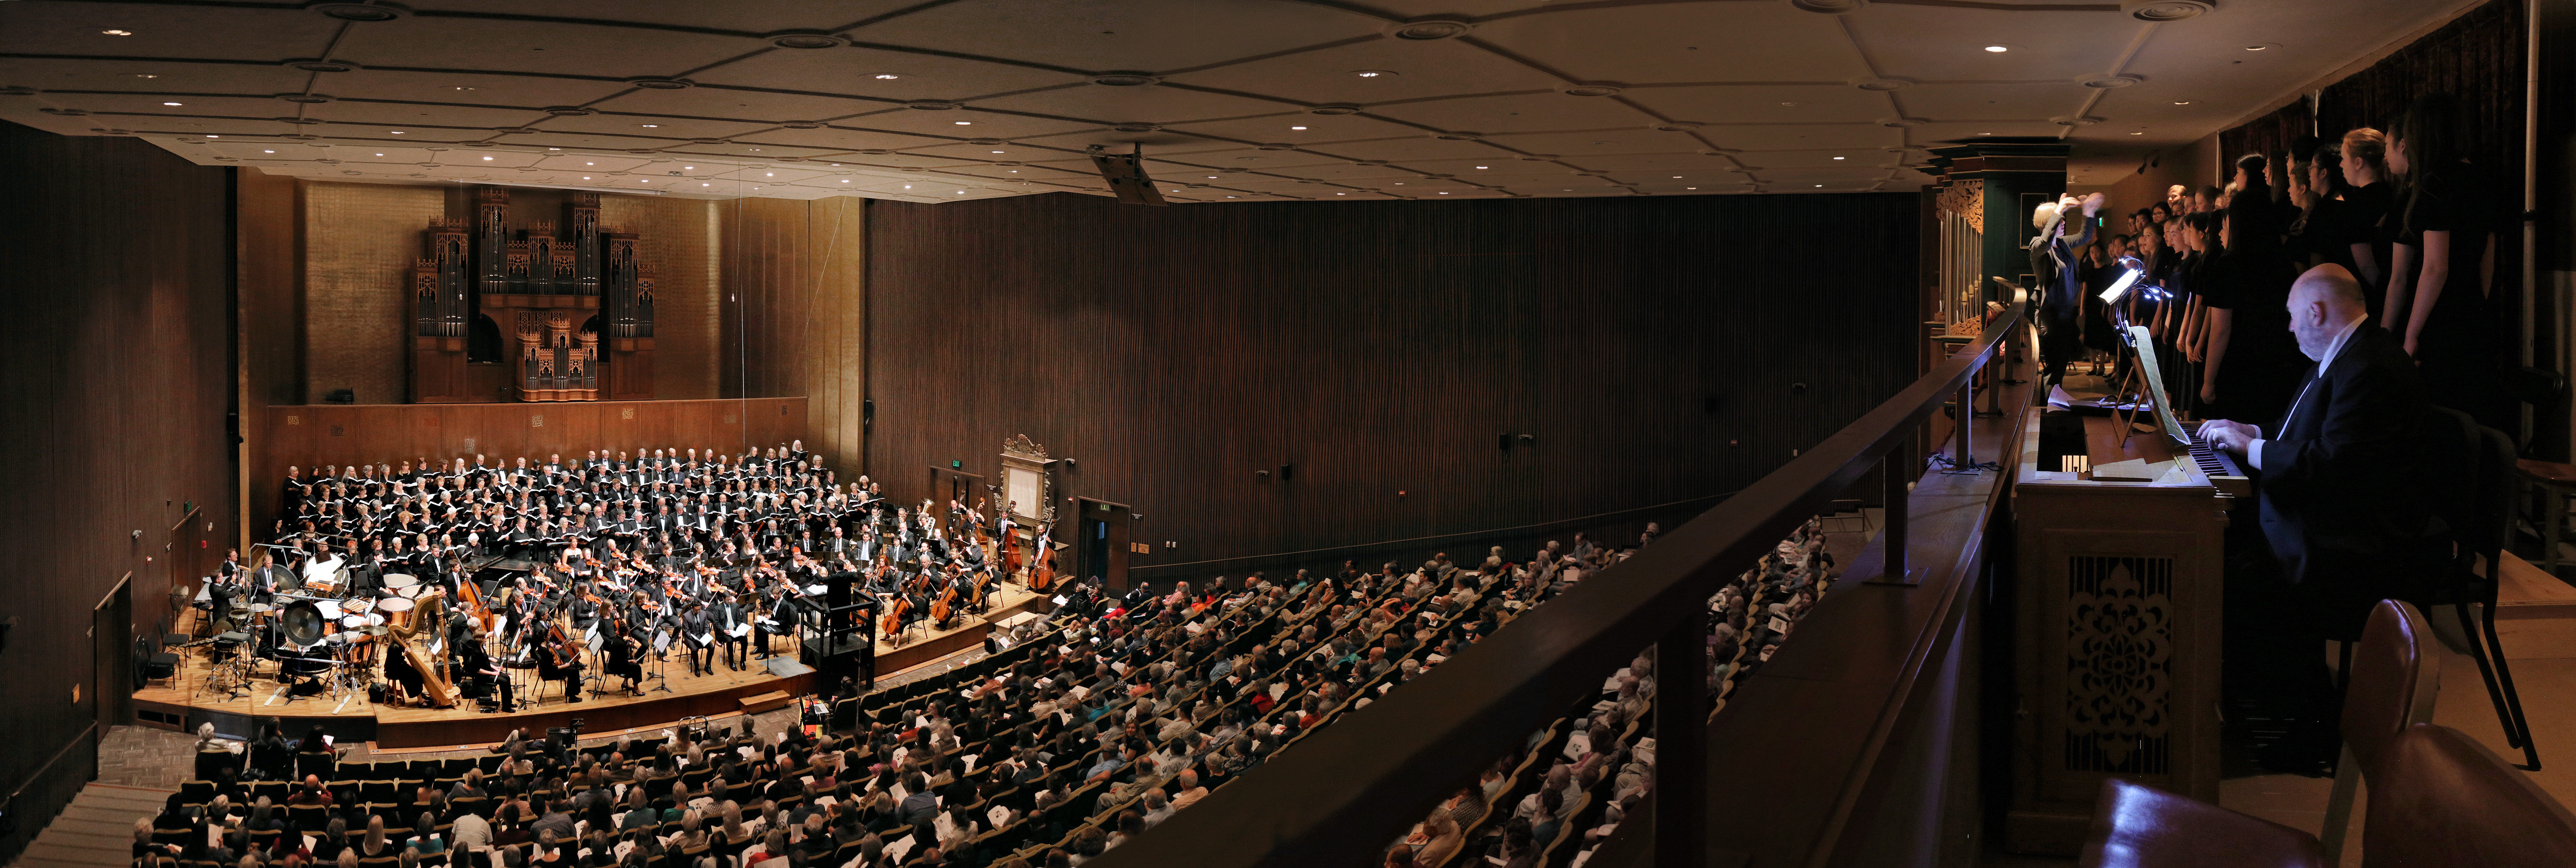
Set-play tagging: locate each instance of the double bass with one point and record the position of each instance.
(1043, 574)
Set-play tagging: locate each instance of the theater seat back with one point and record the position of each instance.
(2442, 799)
(2393, 683)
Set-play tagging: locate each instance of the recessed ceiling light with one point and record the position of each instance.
(1998, 49)
(845, 180)
(965, 123)
(214, 137)
(1296, 128)
(769, 174)
(586, 164)
(1015, 171)
(268, 152)
(1985, 134)
(487, 158)
(706, 185)
(2182, 102)
(996, 152)
(1211, 177)
(1837, 158)
(688, 167)
(1229, 197)
(2137, 134)
(652, 126)
(463, 87)
(169, 103)
(888, 75)
(1399, 183)
(585, 177)
(1480, 167)
(907, 186)
(142, 75)
(118, 32)
(554, 149)
(960, 192)
(649, 180)
(1690, 188)
(1372, 73)
(1677, 177)
(379, 155)
(395, 132)
(2258, 46)
(1788, 103)
(1819, 185)
(1336, 194)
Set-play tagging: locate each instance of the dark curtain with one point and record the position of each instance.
(2269, 135)
(2478, 58)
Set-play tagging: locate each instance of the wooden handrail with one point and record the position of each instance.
(1349, 788)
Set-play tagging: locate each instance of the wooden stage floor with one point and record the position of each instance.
(178, 703)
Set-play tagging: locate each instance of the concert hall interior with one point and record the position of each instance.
(1034, 433)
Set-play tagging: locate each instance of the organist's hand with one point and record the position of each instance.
(2227, 436)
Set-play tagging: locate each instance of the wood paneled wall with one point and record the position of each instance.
(1653, 349)
(115, 380)
(310, 435)
(795, 313)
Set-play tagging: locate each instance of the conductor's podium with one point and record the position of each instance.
(2117, 629)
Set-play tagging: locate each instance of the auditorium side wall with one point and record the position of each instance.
(1653, 350)
(114, 383)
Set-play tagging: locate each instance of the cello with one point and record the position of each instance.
(894, 617)
(944, 606)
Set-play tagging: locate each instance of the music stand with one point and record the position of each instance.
(662, 660)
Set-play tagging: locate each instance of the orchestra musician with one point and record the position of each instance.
(728, 617)
(625, 656)
(560, 660)
(697, 634)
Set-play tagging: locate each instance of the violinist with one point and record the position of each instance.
(624, 657)
(781, 622)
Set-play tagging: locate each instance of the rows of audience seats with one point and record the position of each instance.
(1086, 729)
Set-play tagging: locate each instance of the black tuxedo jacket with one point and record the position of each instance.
(2337, 487)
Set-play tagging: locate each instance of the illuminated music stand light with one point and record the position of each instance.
(2145, 379)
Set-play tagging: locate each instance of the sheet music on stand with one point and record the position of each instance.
(2143, 348)
(661, 641)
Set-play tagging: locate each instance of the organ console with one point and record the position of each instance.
(2118, 610)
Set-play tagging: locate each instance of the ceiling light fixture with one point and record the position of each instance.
(997, 152)
(2258, 46)
(965, 123)
(118, 32)
(214, 137)
(487, 158)
(1998, 49)
(395, 132)
(169, 103)
(1296, 128)
(268, 152)
(1837, 158)
(652, 126)
(2137, 134)
(1690, 188)
(1819, 185)
(2182, 102)
(888, 76)
(1365, 73)
(845, 180)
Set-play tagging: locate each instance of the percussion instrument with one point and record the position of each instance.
(355, 605)
(353, 621)
(395, 604)
(306, 623)
(261, 608)
(283, 579)
(327, 586)
(373, 629)
(409, 593)
(329, 608)
(400, 580)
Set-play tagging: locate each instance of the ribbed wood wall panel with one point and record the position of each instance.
(115, 381)
(1381, 349)
(795, 312)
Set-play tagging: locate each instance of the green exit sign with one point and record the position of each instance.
(954, 464)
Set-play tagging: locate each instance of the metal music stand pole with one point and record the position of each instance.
(662, 662)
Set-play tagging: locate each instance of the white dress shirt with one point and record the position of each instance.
(2254, 451)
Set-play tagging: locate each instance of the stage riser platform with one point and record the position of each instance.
(395, 728)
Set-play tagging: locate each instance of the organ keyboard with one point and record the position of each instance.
(2220, 468)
